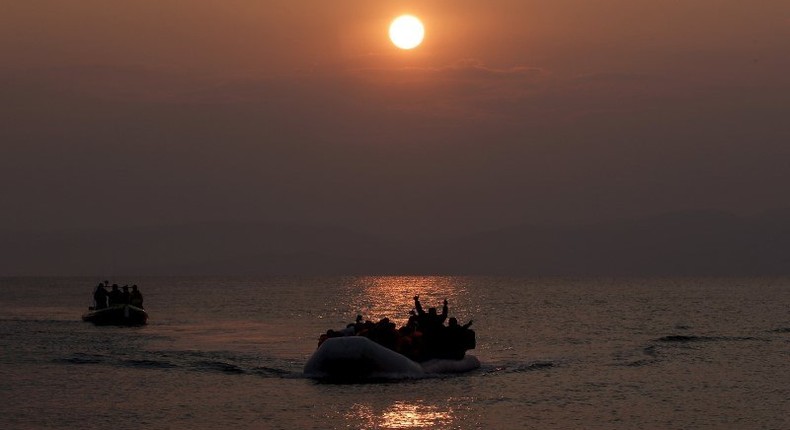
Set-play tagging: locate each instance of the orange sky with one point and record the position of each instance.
(510, 111)
(281, 36)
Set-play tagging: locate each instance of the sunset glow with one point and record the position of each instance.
(407, 32)
(394, 214)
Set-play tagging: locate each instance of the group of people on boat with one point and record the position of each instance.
(116, 296)
(424, 337)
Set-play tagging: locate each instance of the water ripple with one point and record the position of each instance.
(149, 364)
(80, 358)
(220, 367)
(690, 339)
(518, 367)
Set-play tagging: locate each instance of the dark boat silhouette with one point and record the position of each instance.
(124, 315)
(355, 358)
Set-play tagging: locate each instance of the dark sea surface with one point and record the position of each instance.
(556, 353)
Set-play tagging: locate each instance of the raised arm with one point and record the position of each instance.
(418, 306)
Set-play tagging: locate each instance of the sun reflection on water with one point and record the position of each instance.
(401, 415)
(376, 297)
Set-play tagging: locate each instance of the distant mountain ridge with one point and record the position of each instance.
(684, 243)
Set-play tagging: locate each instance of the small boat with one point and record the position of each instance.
(357, 358)
(127, 315)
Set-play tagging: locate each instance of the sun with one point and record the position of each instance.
(407, 32)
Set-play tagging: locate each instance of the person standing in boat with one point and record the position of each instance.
(431, 325)
(115, 296)
(126, 297)
(136, 297)
(100, 297)
(430, 321)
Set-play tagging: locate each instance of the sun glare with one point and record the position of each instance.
(407, 32)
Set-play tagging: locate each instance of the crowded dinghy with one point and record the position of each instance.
(116, 307)
(369, 351)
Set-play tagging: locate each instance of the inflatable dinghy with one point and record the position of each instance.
(117, 315)
(359, 358)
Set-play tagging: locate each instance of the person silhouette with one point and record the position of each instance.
(431, 325)
(100, 297)
(115, 296)
(126, 296)
(136, 297)
(457, 339)
(430, 321)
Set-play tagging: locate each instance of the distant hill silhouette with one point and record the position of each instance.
(687, 243)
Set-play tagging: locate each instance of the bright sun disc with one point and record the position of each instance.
(406, 32)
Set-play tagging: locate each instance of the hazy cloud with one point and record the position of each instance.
(511, 112)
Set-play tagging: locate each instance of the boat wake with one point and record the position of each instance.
(189, 361)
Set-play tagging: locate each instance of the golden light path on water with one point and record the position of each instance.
(400, 415)
(392, 296)
(376, 297)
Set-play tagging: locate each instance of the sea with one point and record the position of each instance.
(556, 353)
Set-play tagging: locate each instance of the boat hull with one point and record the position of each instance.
(125, 315)
(354, 358)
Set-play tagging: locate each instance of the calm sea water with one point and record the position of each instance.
(556, 353)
